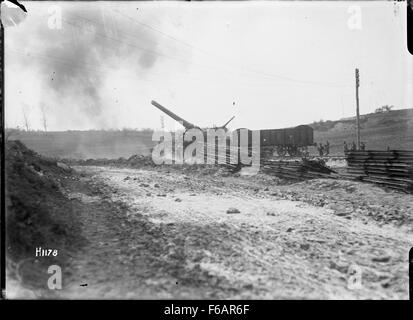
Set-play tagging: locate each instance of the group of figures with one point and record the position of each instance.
(323, 150)
(354, 147)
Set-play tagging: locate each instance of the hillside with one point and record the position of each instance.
(38, 214)
(392, 129)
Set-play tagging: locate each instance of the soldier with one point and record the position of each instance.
(353, 146)
(306, 152)
(345, 147)
(327, 148)
(362, 146)
(320, 149)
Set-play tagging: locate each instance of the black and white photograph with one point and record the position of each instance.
(206, 150)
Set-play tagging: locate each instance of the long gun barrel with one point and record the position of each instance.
(185, 123)
(226, 123)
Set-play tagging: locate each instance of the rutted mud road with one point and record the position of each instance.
(173, 238)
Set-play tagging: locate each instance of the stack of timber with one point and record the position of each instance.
(393, 168)
(298, 169)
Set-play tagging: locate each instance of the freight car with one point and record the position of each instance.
(291, 141)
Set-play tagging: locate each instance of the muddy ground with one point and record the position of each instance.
(156, 233)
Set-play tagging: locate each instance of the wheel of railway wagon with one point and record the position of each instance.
(281, 151)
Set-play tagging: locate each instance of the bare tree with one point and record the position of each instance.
(43, 109)
(26, 121)
(385, 108)
(388, 108)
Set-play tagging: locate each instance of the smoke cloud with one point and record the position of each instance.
(75, 61)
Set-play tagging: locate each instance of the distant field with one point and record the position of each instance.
(392, 129)
(87, 144)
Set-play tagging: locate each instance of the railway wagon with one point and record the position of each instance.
(291, 141)
(299, 136)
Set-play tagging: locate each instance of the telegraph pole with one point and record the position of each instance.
(357, 108)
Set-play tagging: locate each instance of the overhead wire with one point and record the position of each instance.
(209, 54)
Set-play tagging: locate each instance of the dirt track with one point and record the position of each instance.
(170, 237)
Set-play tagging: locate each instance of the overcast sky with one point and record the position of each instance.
(271, 64)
